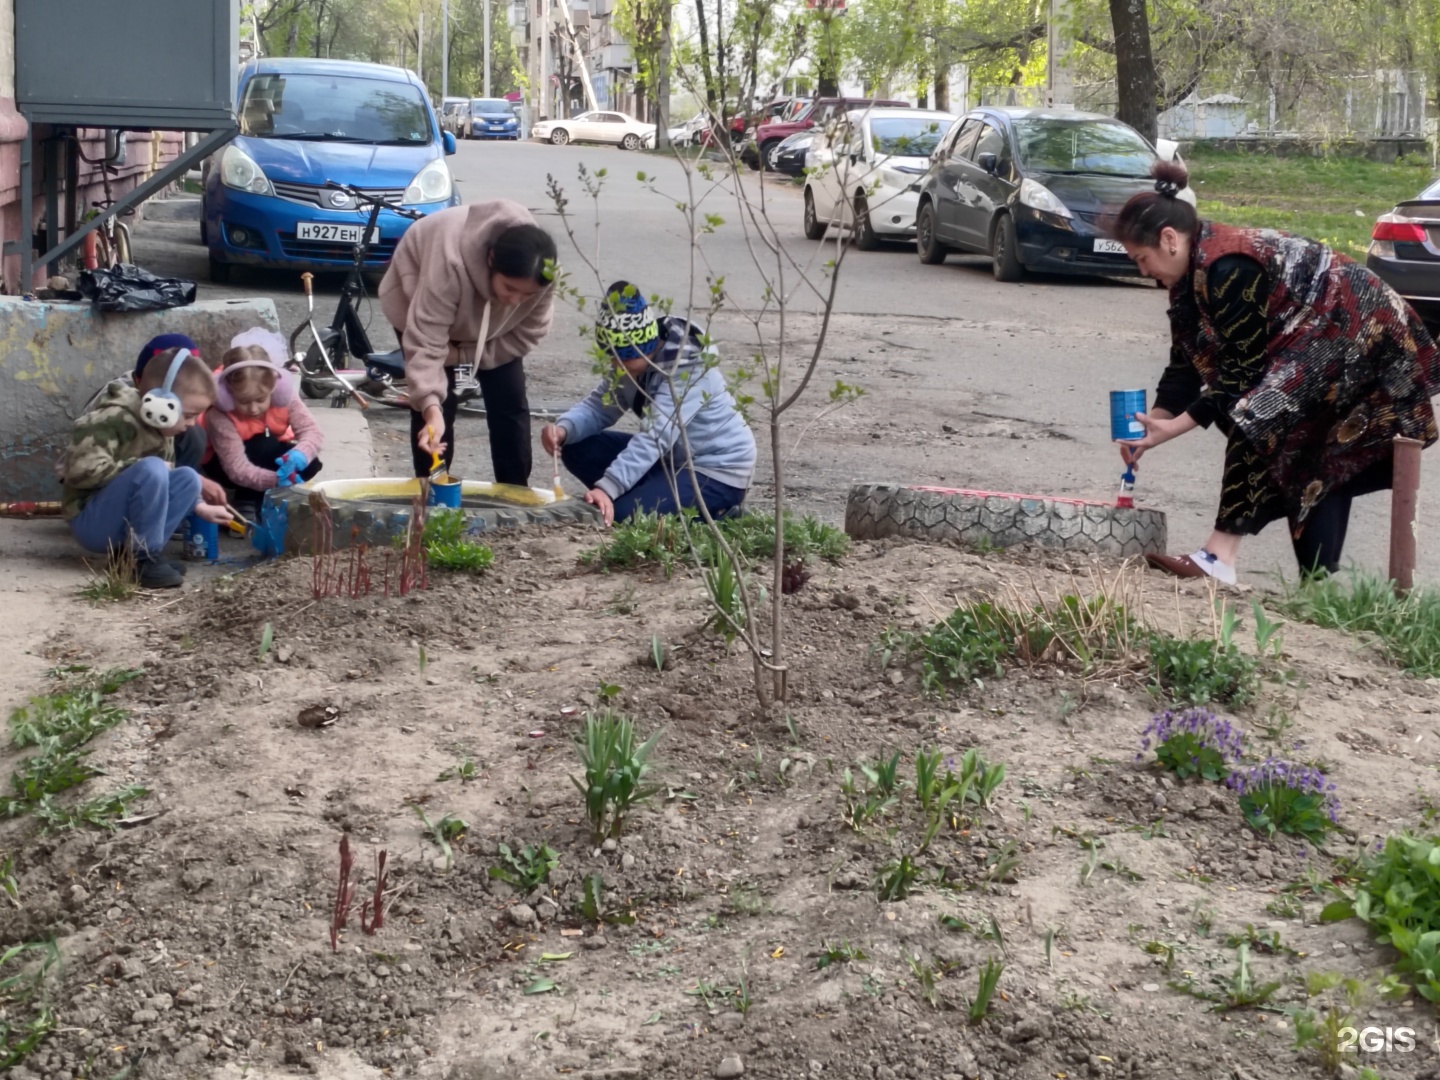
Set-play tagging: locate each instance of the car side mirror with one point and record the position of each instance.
(449, 140)
(989, 162)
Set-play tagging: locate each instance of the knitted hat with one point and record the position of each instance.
(159, 345)
(626, 327)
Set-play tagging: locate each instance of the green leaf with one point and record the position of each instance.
(555, 957)
(541, 986)
(1338, 911)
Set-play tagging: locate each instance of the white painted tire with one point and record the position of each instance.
(980, 518)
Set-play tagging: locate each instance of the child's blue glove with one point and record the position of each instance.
(289, 467)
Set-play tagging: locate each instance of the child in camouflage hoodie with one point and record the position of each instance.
(121, 491)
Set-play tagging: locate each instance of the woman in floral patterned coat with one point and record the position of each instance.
(1306, 361)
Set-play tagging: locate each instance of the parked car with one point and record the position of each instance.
(819, 112)
(596, 127)
(452, 109)
(789, 156)
(1033, 189)
(492, 118)
(1405, 253)
(685, 134)
(865, 170)
(303, 122)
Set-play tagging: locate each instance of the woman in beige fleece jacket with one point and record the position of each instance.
(471, 285)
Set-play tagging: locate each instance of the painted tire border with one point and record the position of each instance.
(1002, 519)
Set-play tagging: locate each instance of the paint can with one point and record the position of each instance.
(445, 493)
(202, 539)
(1124, 404)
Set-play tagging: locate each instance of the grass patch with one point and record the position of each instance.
(25, 1017)
(447, 547)
(665, 540)
(1406, 629)
(1094, 638)
(120, 579)
(1314, 197)
(59, 725)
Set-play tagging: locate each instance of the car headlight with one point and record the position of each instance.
(1039, 197)
(433, 183)
(239, 171)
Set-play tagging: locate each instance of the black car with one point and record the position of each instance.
(1405, 253)
(788, 156)
(1034, 189)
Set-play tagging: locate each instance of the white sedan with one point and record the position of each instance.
(864, 172)
(596, 127)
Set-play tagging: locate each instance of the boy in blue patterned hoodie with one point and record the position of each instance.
(668, 377)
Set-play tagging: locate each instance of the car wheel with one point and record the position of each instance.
(814, 227)
(767, 154)
(630, 142)
(1005, 251)
(865, 238)
(927, 245)
(220, 273)
(559, 137)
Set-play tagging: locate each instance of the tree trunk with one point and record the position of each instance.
(662, 79)
(1134, 66)
(319, 23)
(827, 70)
(292, 36)
(942, 85)
(706, 71)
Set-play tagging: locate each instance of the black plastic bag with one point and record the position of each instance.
(129, 288)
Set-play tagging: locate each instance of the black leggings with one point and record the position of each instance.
(262, 451)
(507, 415)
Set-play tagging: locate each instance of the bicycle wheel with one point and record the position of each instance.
(122, 243)
(103, 252)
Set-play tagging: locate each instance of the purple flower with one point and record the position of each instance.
(1274, 772)
(1199, 729)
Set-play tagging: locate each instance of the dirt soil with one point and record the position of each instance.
(196, 943)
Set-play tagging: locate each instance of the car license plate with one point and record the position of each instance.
(1109, 247)
(316, 230)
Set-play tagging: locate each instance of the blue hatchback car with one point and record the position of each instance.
(493, 118)
(303, 122)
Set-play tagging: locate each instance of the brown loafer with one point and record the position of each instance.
(1181, 566)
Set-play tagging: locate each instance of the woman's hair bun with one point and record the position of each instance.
(1170, 178)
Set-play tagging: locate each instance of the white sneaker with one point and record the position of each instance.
(1214, 567)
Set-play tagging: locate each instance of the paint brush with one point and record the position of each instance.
(559, 487)
(437, 464)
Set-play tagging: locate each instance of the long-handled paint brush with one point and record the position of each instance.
(559, 487)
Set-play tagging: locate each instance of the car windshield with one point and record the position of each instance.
(343, 108)
(489, 105)
(906, 136)
(1098, 147)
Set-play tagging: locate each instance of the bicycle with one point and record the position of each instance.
(112, 239)
(321, 364)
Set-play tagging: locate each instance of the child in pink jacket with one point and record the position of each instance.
(262, 433)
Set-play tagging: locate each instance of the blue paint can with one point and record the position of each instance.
(445, 493)
(202, 539)
(1124, 404)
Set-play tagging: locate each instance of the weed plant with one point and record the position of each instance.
(526, 869)
(661, 540)
(1399, 899)
(1199, 671)
(985, 992)
(26, 1018)
(1406, 629)
(615, 770)
(447, 547)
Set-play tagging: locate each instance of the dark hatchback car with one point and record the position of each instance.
(789, 156)
(1034, 189)
(1405, 253)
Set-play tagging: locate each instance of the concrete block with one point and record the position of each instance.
(347, 453)
(53, 357)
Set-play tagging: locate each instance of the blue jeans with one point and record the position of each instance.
(588, 459)
(142, 506)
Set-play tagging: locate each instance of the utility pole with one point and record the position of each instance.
(546, 97)
(445, 49)
(590, 101)
(487, 46)
(420, 49)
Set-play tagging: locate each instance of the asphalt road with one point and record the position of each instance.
(968, 382)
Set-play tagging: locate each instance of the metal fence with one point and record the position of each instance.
(1378, 104)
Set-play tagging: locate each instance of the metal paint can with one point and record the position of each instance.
(445, 493)
(1124, 404)
(202, 539)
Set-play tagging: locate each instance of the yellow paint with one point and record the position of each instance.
(409, 488)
